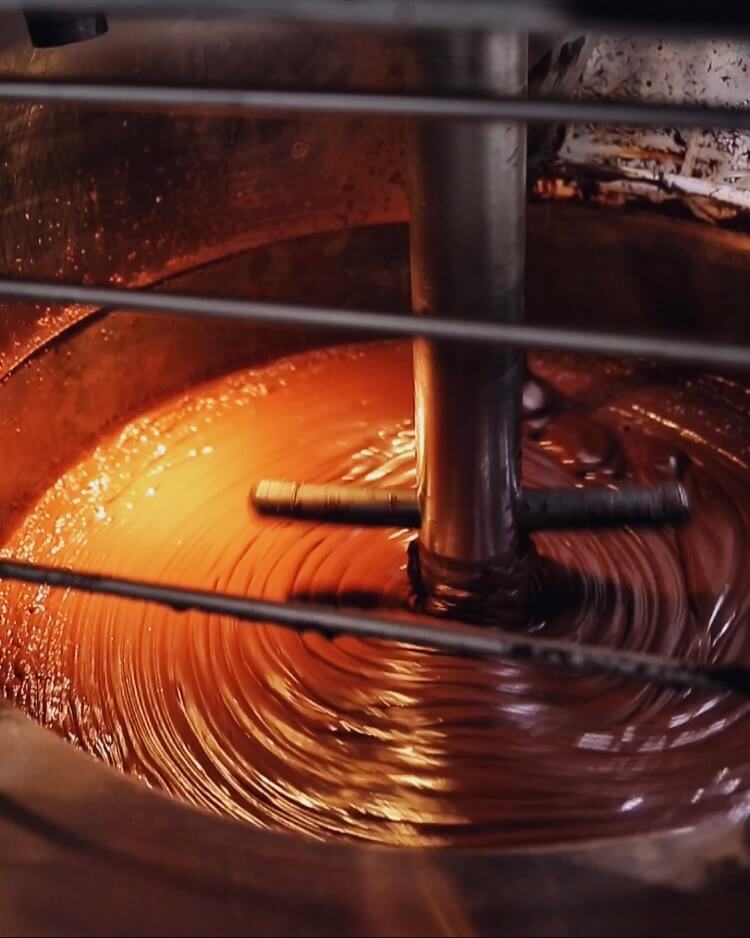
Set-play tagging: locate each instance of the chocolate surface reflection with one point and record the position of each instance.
(369, 740)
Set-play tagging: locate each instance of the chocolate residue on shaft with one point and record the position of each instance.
(367, 739)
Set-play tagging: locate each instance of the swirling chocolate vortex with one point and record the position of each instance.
(366, 739)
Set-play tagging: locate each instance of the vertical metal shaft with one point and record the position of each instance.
(467, 254)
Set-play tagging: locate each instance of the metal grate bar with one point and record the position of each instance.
(449, 636)
(542, 16)
(226, 101)
(527, 336)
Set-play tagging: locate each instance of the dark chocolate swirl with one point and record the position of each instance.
(364, 739)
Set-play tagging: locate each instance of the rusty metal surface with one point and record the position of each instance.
(704, 171)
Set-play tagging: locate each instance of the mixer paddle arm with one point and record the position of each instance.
(553, 509)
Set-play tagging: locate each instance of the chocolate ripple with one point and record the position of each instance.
(366, 739)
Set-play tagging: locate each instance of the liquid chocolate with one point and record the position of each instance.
(366, 739)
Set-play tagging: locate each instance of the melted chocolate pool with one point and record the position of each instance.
(366, 739)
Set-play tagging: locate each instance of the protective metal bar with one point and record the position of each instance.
(571, 340)
(508, 15)
(452, 637)
(538, 510)
(231, 101)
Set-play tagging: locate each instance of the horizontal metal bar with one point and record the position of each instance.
(385, 324)
(226, 101)
(339, 504)
(523, 15)
(539, 509)
(453, 637)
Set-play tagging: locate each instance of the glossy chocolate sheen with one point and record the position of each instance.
(364, 739)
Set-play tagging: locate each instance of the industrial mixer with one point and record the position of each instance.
(467, 779)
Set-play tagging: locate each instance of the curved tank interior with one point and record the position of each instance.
(310, 210)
